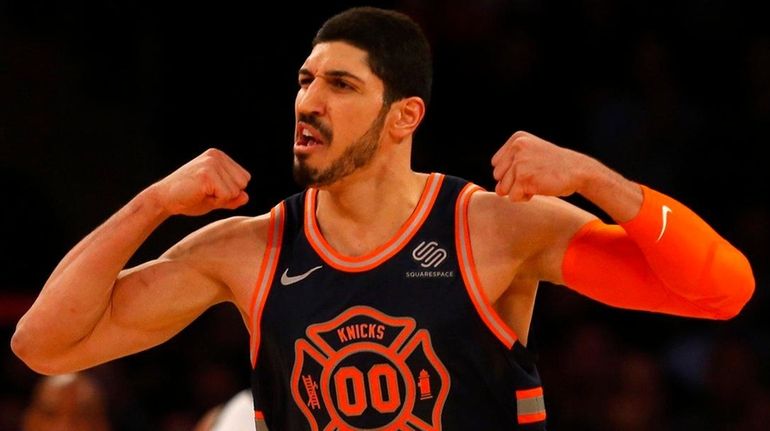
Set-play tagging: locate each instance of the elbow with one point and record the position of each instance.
(22, 347)
(741, 293)
(25, 348)
(737, 287)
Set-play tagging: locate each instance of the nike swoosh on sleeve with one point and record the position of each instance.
(665, 210)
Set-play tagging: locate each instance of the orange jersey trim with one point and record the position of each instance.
(469, 272)
(529, 393)
(265, 276)
(381, 253)
(530, 406)
(528, 419)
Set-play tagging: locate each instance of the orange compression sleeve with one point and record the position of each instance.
(666, 259)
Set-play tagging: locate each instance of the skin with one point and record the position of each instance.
(69, 402)
(518, 234)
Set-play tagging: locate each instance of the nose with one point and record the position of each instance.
(311, 100)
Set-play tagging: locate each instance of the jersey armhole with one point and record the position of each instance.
(469, 273)
(265, 276)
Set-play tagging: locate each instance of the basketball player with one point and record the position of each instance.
(381, 298)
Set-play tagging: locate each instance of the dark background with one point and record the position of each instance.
(98, 99)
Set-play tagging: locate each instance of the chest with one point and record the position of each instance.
(421, 282)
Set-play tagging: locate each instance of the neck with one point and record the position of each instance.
(373, 191)
(371, 194)
(365, 209)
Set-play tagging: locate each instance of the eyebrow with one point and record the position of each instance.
(334, 74)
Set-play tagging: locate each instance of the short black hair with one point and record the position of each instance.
(398, 51)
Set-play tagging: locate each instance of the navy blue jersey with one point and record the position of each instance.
(402, 338)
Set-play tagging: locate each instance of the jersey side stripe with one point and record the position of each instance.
(468, 270)
(259, 421)
(265, 277)
(530, 405)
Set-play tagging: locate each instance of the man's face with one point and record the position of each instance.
(339, 114)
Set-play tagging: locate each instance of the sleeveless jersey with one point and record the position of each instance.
(402, 338)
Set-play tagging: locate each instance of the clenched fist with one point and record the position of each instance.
(527, 165)
(210, 181)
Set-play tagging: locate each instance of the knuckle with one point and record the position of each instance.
(517, 144)
(204, 175)
(525, 176)
(222, 196)
(243, 180)
(518, 135)
(213, 152)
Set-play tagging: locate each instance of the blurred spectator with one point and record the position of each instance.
(638, 401)
(237, 414)
(732, 383)
(69, 402)
(580, 371)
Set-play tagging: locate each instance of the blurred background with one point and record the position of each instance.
(98, 99)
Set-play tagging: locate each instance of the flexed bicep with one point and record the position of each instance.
(154, 301)
(150, 304)
(89, 291)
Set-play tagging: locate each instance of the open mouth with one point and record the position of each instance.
(308, 136)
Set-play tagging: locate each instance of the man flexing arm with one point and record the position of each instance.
(660, 257)
(92, 310)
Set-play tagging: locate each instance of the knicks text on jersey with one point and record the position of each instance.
(402, 338)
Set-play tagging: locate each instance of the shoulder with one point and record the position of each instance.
(227, 251)
(540, 210)
(523, 228)
(224, 234)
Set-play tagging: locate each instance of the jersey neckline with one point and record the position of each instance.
(383, 252)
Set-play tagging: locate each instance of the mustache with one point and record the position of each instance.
(314, 121)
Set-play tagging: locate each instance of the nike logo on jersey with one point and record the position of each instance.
(287, 279)
(665, 209)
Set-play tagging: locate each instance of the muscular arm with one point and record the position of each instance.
(91, 310)
(690, 271)
(682, 267)
(78, 293)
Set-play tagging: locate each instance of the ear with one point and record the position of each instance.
(406, 114)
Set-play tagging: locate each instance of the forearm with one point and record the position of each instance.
(687, 254)
(682, 267)
(665, 258)
(79, 290)
(617, 196)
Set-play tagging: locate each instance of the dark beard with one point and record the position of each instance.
(358, 155)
